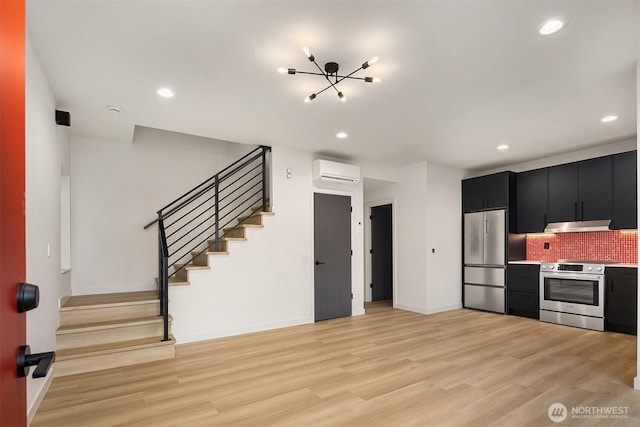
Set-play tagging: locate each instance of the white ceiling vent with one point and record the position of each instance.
(327, 171)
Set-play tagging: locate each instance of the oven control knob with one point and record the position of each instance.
(599, 268)
(551, 267)
(591, 268)
(544, 267)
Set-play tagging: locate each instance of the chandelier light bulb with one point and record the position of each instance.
(370, 62)
(308, 53)
(342, 97)
(310, 98)
(283, 70)
(376, 80)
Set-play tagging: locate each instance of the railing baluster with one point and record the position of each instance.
(264, 179)
(217, 212)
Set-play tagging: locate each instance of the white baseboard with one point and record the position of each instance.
(36, 404)
(636, 383)
(211, 335)
(428, 310)
(358, 312)
(64, 298)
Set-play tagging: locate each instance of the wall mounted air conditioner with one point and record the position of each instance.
(327, 171)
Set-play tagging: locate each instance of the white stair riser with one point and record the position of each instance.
(103, 314)
(109, 335)
(113, 360)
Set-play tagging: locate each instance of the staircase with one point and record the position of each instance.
(109, 331)
(120, 329)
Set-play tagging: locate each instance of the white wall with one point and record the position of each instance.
(426, 216)
(444, 235)
(117, 188)
(47, 159)
(267, 281)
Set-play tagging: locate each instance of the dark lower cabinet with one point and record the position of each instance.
(523, 290)
(621, 300)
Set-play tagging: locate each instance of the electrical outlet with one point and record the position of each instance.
(546, 245)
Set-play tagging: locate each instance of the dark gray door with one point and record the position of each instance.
(381, 253)
(332, 249)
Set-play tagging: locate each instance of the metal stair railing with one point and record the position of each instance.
(195, 222)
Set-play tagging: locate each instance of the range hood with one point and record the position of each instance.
(577, 226)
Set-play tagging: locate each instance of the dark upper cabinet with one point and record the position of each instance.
(485, 192)
(625, 196)
(532, 200)
(621, 306)
(581, 191)
(473, 194)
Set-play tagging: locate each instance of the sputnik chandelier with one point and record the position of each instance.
(330, 73)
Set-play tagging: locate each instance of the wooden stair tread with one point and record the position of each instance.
(192, 267)
(177, 282)
(109, 300)
(115, 347)
(243, 226)
(217, 253)
(109, 324)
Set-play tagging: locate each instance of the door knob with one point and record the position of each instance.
(319, 262)
(42, 362)
(27, 297)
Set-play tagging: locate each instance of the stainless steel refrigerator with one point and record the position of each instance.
(485, 260)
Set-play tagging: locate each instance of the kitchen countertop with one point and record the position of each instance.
(527, 261)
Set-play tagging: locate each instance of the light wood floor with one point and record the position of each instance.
(386, 368)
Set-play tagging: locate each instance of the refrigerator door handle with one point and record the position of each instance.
(486, 226)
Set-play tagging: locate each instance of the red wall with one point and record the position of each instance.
(598, 245)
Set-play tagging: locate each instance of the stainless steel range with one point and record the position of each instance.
(572, 293)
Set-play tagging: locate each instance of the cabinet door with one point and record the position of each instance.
(523, 284)
(496, 189)
(524, 278)
(621, 299)
(625, 196)
(473, 197)
(563, 193)
(595, 189)
(532, 200)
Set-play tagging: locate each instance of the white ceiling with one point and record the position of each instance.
(458, 78)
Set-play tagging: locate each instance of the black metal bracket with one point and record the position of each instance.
(42, 362)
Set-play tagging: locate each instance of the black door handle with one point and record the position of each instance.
(319, 262)
(42, 362)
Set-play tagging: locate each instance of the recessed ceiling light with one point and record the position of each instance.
(551, 26)
(165, 92)
(341, 135)
(610, 118)
(502, 147)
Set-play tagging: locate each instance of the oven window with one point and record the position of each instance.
(571, 290)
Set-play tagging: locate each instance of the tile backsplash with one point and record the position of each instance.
(597, 245)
